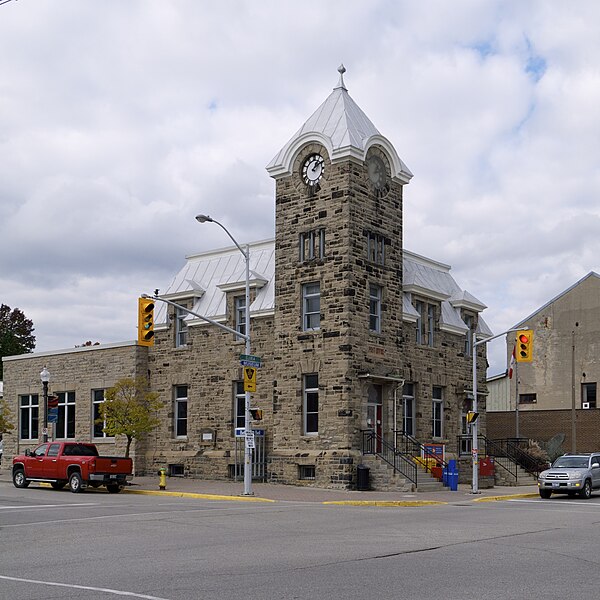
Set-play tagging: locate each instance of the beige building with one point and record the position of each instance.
(365, 347)
(563, 376)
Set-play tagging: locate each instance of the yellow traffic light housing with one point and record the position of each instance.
(257, 414)
(145, 322)
(524, 351)
(472, 416)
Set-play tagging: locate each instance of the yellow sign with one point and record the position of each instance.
(249, 379)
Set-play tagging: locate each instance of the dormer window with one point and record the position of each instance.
(425, 325)
(239, 303)
(181, 328)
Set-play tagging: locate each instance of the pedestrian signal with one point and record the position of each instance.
(256, 413)
(525, 346)
(145, 322)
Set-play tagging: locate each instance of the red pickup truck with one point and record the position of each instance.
(75, 463)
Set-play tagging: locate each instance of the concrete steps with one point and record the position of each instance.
(503, 477)
(383, 478)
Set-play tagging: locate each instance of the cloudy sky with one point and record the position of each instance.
(121, 120)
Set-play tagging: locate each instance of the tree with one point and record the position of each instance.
(5, 417)
(15, 333)
(129, 409)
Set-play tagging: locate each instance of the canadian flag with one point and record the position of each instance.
(512, 363)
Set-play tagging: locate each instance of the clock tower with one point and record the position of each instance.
(338, 292)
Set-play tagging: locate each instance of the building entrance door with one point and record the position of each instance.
(374, 413)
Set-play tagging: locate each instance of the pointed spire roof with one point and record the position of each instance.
(344, 129)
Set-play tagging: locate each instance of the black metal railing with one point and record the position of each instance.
(505, 448)
(401, 462)
(511, 448)
(412, 446)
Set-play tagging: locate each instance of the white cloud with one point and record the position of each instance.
(119, 122)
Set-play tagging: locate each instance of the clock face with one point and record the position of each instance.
(312, 170)
(376, 170)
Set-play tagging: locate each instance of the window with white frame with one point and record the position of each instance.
(98, 423)
(425, 324)
(239, 405)
(408, 409)
(181, 410)
(469, 321)
(239, 307)
(312, 245)
(181, 327)
(311, 306)
(375, 293)
(311, 404)
(588, 395)
(437, 412)
(29, 410)
(65, 424)
(375, 248)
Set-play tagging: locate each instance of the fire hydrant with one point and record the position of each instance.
(162, 482)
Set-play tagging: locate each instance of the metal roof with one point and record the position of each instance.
(207, 277)
(344, 129)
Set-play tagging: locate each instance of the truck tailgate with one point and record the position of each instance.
(113, 464)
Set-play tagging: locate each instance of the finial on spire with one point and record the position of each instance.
(341, 71)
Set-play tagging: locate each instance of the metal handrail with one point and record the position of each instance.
(415, 448)
(484, 443)
(401, 462)
(511, 450)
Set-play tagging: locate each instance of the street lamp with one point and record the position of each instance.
(45, 377)
(247, 448)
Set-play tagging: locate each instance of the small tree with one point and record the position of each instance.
(16, 335)
(130, 410)
(5, 417)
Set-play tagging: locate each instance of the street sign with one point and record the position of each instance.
(249, 379)
(53, 415)
(250, 439)
(248, 360)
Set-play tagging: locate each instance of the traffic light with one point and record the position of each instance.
(145, 322)
(256, 413)
(524, 346)
(472, 416)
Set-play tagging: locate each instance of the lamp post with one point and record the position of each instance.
(247, 449)
(45, 377)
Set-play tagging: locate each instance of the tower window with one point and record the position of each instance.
(312, 245)
(311, 306)
(375, 248)
(375, 294)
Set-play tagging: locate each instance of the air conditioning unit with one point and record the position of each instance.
(585, 405)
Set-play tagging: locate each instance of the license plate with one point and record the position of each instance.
(113, 476)
(555, 484)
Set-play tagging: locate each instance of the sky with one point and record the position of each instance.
(122, 120)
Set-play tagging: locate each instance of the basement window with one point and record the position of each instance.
(306, 472)
(527, 398)
(176, 471)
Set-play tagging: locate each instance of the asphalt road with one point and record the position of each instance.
(100, 546)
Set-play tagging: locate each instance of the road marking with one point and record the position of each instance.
(561, 502)
(83, 587)
(44, 506)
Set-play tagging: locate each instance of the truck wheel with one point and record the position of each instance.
(545, 494)
(58, 485)
(113, 488)
(19, 479)
(586, 491)
(76, 483)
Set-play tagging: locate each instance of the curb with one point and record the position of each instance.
(385, 502)
(194, 495)
(510, 497)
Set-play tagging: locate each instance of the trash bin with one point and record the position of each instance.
(362, 478)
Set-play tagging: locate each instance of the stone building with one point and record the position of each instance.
(355, 334)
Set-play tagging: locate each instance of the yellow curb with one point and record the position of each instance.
(508, 497)
(44, 484)
(386, 502)
(203, 496)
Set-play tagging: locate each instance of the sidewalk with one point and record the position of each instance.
(273, 492)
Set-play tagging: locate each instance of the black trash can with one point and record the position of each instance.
(362, 478)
